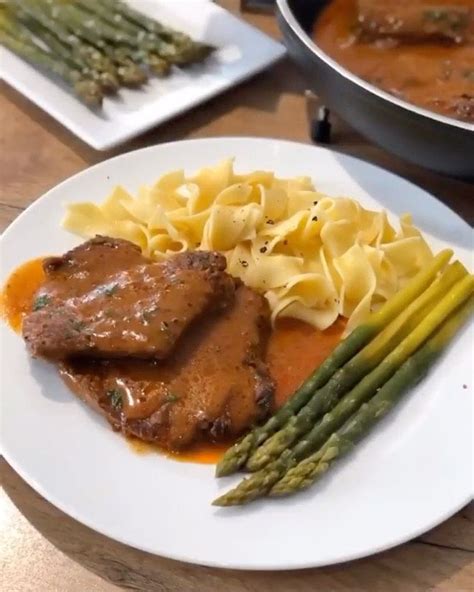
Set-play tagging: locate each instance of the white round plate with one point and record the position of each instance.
(414, 471)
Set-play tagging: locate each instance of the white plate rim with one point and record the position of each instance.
(412, 536)
(256, 139)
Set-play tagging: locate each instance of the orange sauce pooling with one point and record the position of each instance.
(17, 295)
(295, 349)
(207, 453)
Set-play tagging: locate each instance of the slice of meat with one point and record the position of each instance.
(417, 21)
(214, 385)
(104, 299)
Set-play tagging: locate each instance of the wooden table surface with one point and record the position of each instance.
(42, 549)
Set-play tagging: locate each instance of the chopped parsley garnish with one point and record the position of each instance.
(434, 15)
(77, 325)
(111, 289)
(148, 314)
(452, 19)
(41, 302)
(171, 398)
(115, 397)
(146, 317)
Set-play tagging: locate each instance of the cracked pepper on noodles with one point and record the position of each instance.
(314, 257)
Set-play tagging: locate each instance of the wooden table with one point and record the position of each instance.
(42, 549)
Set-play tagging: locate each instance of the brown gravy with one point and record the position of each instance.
(294, 350)
(435, 75)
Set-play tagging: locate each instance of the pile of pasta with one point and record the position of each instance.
(314, 257)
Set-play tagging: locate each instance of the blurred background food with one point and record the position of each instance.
(401, 73)
(421, 52)
(96, 47)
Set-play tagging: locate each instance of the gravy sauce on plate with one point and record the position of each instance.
(294, 350)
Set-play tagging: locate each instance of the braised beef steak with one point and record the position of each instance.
(423, 20)
(104, 299)
(214, 384)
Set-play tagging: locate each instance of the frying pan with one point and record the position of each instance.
(436, 142)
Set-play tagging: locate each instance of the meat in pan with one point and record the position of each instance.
(451, 20)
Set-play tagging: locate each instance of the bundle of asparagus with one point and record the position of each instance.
(238, 454)
(344, 439)
(95, 46)
(18, 40)
(364, 377)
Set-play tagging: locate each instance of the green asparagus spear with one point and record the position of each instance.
(260, 483)
(118, 46)
(364, 361)
(153, 51)
(140, 19)
(72, 28)
(160, 42)
(349, 404)
(87, 25)
(129, 73)
(129, 57)
(94, 58)
(87, 90)
(29, 27)
(110, 14)
(107, 81)
(154, 61)
(185, 51)
(238, 454)
(359, 425)
(121, 45)
(257, 484)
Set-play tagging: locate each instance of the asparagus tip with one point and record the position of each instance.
(235, 456)
(89, 91)
(108, 82)
(221, 502)
(227, 466)
(131, 75)
(159, 67)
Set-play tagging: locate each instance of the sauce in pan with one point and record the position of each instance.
(433, 73)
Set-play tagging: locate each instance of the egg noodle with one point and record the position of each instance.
(314, 257)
